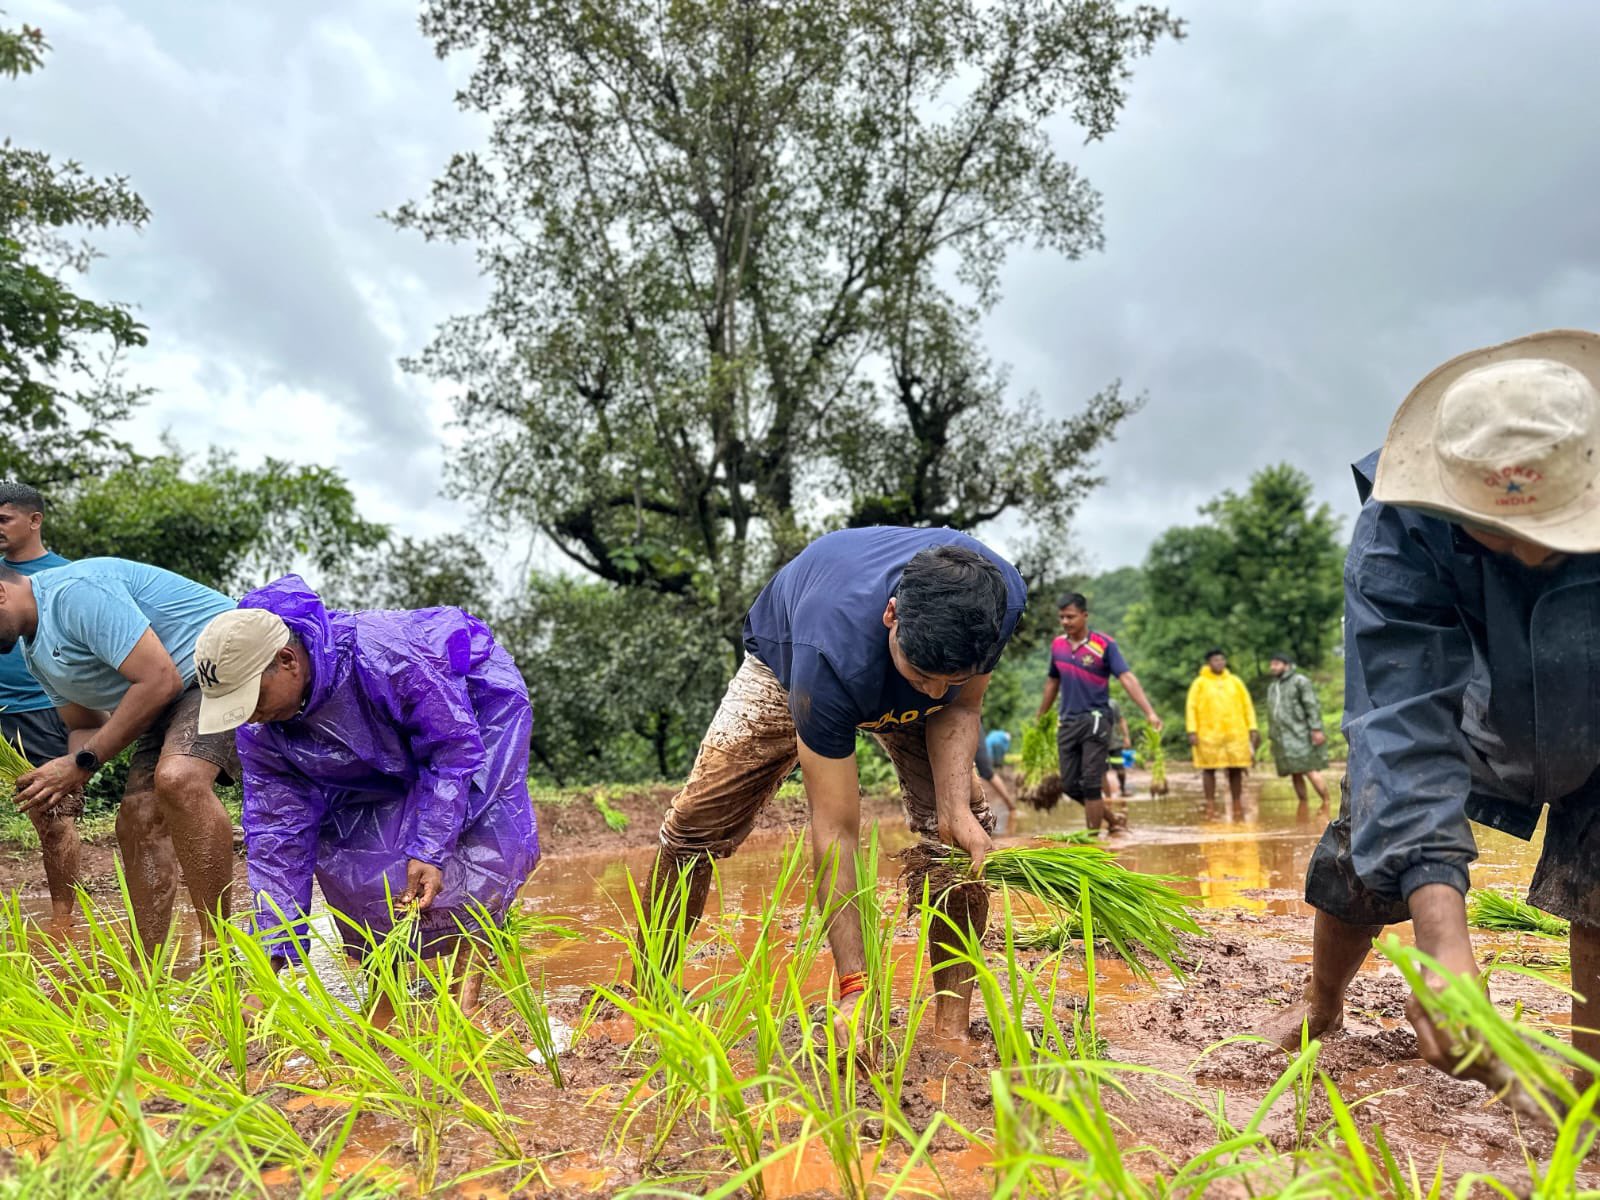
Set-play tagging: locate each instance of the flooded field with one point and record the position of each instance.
(556, 1088)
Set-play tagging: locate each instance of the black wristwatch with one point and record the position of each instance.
(87, 760)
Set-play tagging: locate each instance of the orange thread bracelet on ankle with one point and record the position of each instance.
(852, 984)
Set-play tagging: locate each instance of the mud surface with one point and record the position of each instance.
(1246, 869)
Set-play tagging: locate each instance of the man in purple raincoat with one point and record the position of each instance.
(384, 753)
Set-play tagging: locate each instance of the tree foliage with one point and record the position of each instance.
(224, 525)
(722, 240)
(417, 573)
(1262, 574)
(624, 681)
(60, 394)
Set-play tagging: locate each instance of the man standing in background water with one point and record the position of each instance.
(27, 716)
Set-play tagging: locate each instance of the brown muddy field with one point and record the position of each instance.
(1246, 868)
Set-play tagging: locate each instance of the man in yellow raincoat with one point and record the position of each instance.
(1221, 722)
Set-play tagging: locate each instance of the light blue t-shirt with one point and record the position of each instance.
(999, 742)
(20, 691)
(94, 611)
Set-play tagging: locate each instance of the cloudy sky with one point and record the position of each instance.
(1308, 206)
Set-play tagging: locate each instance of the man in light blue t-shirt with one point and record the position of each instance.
(27, 716)
(111, 642)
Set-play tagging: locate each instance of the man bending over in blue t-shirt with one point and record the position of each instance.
(888, 630)
(111, 642)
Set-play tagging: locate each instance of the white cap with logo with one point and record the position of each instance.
(231, 655)
(1505, 438)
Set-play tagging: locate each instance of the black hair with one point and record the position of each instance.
(1213, 652)
(1073, 600)
(22, 495)
(950, 603)
(1282, 656)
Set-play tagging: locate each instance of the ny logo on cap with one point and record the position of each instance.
(207, 671)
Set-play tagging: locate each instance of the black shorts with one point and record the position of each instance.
(1566, 883)
(1083, 740)
(43, 735)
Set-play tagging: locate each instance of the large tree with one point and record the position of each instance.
(737, 249)
(60, 391)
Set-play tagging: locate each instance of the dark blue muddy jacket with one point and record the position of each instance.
(1472, 691)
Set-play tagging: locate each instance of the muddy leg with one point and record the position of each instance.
(961, 908)
(62, 850)
(1322, 789)
(1094, 813)
(1337, 951)
(1236, 791)
(469, 974)
(149, 864)
(202, 837)
(1585, 950)
(1208, 782)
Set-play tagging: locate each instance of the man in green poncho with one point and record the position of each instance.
(1299, 745)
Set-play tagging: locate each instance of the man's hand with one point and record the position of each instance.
(46, 786)
(1194, 739)
(1318, 738)
(963, 830)
(1155, 721)
(424, 882)
(1255, 740)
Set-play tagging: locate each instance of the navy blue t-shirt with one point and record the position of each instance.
(818, 625)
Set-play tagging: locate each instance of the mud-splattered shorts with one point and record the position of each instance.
(1566, 882)
(749, 750)
(177, 731)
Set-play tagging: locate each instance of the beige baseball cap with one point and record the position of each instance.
(1505, 438)
(231, 655)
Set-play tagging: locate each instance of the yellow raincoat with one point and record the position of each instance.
(1220, 713)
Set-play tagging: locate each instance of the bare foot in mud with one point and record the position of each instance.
(1305, 1018)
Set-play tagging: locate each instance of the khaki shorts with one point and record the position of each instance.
(750, 749)
(177, 731)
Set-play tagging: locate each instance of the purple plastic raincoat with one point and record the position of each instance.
(413, 743)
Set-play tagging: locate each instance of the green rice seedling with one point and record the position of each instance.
(1497, 911)
(1155, 757)
(14, 763)
(1133, 908)
(1530, 1065)
(1039, 748)
(506, 971)
(616, 820)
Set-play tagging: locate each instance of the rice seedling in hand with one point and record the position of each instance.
(13, 762)
(1527, 1066)
(1130, 908)
(1497, 911)
(1155, 757)
(1041, 782)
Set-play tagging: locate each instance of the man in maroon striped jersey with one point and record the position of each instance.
(1082, 664)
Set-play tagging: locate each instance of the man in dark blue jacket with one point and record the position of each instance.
(1472, 669)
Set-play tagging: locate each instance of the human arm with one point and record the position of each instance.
(1249, 714)
(1052, 688)
(1130, 684)
(952, 736)
(420, 681)
(154, 683)
(1191, 710)
(1310, 708)
(833, 793)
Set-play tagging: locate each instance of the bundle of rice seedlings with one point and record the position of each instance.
(1496, 910)
(13, 764)
(1039, 749)
(1155, 756)
(1130, 908)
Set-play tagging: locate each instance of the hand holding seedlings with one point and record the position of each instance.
(43, 788)
(424, 881)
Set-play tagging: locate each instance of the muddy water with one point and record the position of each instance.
(1254, 861)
